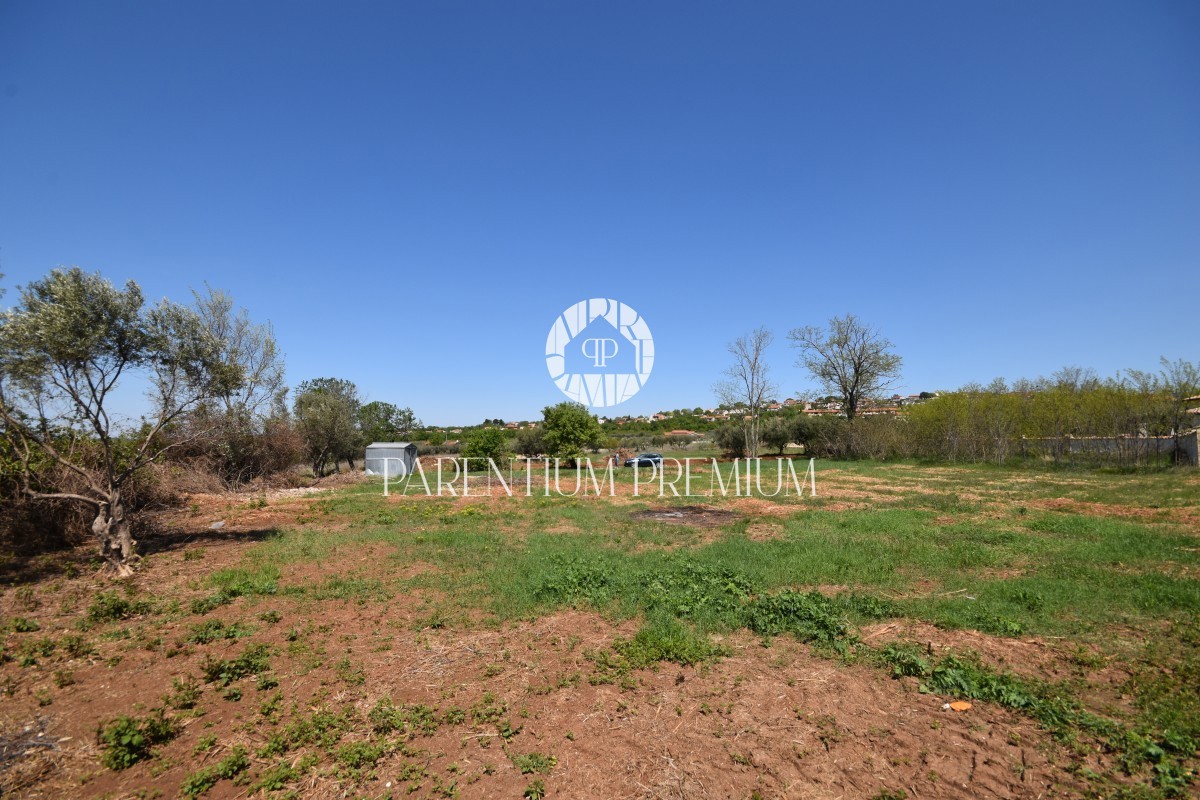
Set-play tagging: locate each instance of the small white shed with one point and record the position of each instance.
(395, 459)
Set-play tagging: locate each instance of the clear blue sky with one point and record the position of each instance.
(410, 192)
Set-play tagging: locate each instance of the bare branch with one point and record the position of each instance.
(849, 359)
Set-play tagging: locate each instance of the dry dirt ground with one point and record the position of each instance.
(767, 721)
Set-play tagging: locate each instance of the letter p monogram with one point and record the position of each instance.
(599, 351)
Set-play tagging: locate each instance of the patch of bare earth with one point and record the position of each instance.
(696, 516)
(780, 720)
(1029, 656)
(1037, 658)
(1183, 516)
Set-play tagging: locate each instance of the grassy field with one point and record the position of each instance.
(345, 644)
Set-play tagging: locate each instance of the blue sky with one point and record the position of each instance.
(411, 192)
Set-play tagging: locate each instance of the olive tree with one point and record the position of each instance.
(777, 433)
(242, 414)
(529, 442)
(64, 348)
(851, 360)
(731, 439)
(326, 411)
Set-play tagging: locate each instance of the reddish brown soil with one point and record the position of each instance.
(1184, 516)
(779, 720)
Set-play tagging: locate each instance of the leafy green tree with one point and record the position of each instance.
(384, 422)
(64, 348)
(777, 433)
(530, 442)
(568, 429)
(326, 411)
(485, 443)
(249, 345)
(731, 438)
(804, 431)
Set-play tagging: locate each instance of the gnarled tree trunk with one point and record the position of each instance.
(115, 536)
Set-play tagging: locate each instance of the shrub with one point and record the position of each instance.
(227, 768)
(255, 659)
(810, 617)
(110, 606)
(534, 762)
(184, 695)
(127, 740)
(731, 438)
(485, 443)
(529, 442)
(76, 646)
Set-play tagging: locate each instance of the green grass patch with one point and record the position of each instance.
(231, 584)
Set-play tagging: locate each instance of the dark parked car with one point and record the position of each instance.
(645, 460)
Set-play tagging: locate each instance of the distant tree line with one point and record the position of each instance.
(1038, 418)
(1033, 419)
(855, 364)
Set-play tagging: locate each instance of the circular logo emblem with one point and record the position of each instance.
(599, 352)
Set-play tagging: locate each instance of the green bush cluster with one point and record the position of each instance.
(254, 660)
(110, 606)
(128, 740)
(228, 768)
(213, 630)
(417, 719)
